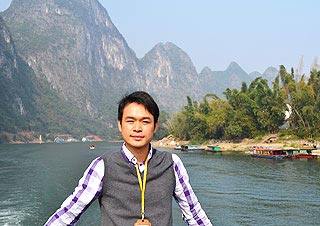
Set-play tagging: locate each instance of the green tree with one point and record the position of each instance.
(217, 118)
(163, 126)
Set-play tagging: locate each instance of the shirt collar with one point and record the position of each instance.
(130, 157)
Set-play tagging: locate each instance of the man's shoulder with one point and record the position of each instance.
(162, 153)
(111, 155)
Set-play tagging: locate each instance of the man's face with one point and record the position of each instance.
(137, 127)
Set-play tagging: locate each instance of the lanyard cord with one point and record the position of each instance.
(142, 185)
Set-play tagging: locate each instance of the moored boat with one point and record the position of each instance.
(316, 152)
(281, 153)
(214, 149)
(300, 153)
(306, 153)
(191, 148)
(268, 153)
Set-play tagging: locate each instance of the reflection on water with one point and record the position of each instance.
(234, 189)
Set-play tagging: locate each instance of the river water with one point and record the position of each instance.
(234, 189)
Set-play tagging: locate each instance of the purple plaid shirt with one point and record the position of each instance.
(90, 186)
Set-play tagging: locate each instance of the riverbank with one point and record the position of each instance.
(243, 145)
(30, 137)
(271, 140)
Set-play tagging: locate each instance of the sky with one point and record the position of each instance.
(214, 33)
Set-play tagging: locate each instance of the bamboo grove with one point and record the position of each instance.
(291, 106)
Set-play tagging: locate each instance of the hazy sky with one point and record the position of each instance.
(255, 34)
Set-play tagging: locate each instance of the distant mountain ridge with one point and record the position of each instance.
(216, 82)
(74, 53)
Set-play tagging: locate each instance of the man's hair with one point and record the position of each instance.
(139, 97)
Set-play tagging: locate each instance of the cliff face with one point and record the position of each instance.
(17, 89)
(74, 45)
(170, 74)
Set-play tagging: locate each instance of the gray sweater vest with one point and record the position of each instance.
(120, 199)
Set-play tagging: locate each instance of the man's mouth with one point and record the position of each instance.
(136, 137)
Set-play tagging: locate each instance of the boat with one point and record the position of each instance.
(92, 147)
(292, 153)
(214, 149)
(302, 153)
(281, 153)
(316, 152)
(268, 153)
(191, 148)
(307, 153)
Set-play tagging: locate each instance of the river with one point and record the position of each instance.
(234, 189)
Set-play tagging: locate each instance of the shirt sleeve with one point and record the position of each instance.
(88, 190)
(188, 202)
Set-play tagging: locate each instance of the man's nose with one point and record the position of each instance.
(137, 126)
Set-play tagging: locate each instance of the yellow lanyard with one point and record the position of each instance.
(142, 185)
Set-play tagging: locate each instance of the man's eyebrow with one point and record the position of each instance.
(133, 117)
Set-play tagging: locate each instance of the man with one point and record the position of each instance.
(135, 185)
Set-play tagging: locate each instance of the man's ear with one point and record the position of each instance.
(119, 126)
(156, 127)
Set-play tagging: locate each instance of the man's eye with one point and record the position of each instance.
(146, 122)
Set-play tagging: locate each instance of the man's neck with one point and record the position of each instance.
(141, 157)
(140, 154)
